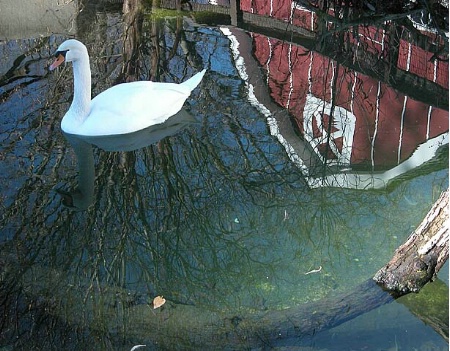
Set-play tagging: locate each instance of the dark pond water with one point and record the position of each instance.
(249, 201)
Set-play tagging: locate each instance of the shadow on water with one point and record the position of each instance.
(218, 217)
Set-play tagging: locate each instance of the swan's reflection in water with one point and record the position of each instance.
(82, 196)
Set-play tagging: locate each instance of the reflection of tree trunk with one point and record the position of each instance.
(390, 55)
(178, 326)
(133, 20)
(156, 51)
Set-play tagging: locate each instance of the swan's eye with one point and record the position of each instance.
(60, 58)
(62, 52)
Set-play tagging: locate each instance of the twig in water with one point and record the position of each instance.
(314, 270)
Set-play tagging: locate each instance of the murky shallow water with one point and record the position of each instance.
(216, 216)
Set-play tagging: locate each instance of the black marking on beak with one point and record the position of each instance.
(60, 58)
(57, 53)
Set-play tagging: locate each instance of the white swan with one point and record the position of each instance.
(121, 109)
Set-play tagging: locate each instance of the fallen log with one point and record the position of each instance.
(417, 261)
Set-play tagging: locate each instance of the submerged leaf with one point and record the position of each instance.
(158, 301)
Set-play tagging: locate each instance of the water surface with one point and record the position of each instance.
(225, 214)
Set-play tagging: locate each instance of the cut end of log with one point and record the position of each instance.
(418, 260)
(410, 276)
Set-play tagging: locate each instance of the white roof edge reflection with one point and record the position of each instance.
(379, 180)
(346, 178)
(271, 121)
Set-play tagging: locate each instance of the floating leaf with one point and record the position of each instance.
(158, 301)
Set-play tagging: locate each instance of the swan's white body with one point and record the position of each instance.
(121, 109)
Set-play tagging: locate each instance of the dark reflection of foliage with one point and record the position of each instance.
(215, 216)
(360, 12)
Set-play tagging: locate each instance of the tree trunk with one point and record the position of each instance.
(417, 261)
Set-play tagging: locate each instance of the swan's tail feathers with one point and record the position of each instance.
(195, 80)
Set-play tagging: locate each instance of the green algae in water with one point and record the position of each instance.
(431, 301)
(201, 17)
(211, 18)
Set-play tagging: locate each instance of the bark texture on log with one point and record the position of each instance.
(417, 261)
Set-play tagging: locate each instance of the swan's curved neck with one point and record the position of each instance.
(81, 103)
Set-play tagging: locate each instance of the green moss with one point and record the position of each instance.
(203, 17)
(157, 13)
(431, 301)
(211, 18)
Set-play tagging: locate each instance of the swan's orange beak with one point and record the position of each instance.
(59, 59)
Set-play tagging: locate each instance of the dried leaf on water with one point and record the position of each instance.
(158, 301)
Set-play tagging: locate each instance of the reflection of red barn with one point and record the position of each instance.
(373, 124)
(416, 60)
(411, 58)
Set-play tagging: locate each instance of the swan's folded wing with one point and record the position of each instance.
(128, 107)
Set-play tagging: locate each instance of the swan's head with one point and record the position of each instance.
(69, 51)
(75, 200)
